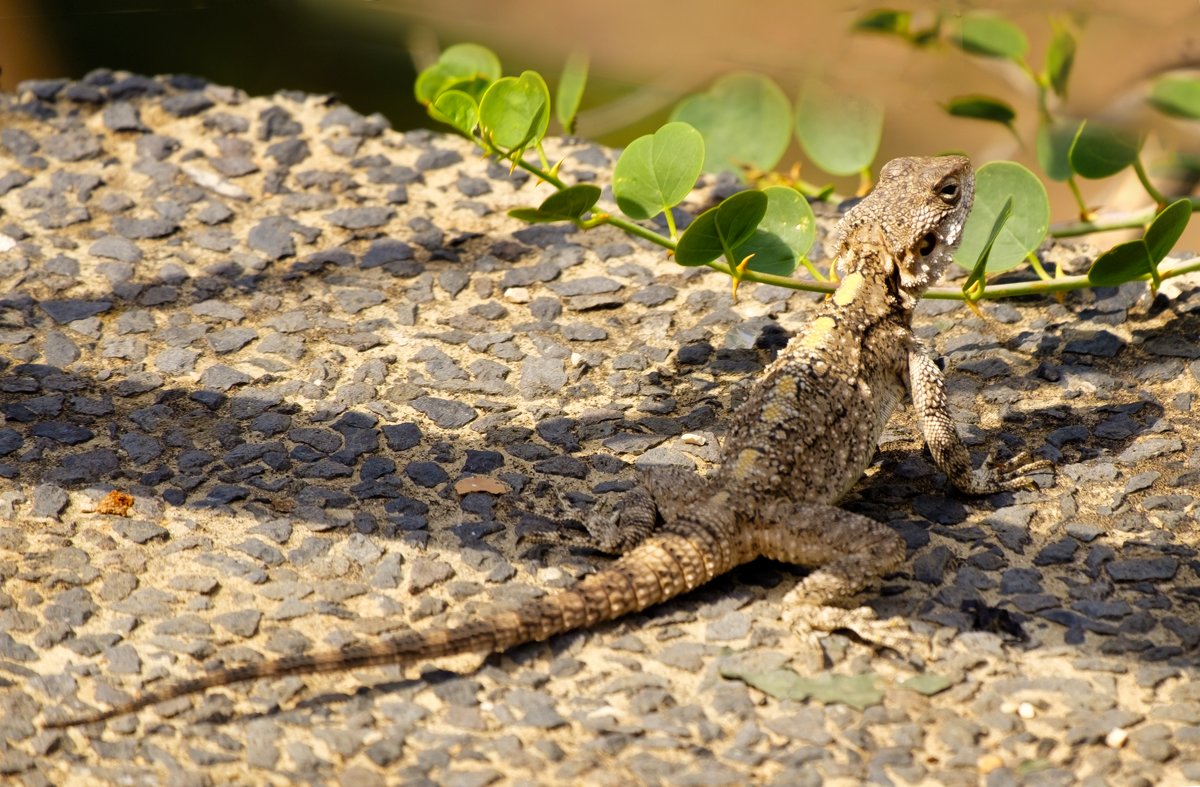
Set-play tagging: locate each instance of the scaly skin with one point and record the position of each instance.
(806, 433)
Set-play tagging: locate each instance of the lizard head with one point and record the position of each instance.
(916, 213)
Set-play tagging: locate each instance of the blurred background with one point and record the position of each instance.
(645, 56)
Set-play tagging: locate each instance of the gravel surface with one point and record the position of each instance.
(276, 378)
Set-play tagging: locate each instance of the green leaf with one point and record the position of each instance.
(785, 233)
(1060, 56)
(567, 204)
(471, 60)
(884, 20)
(745, 119)
(1054, 140)
(996, 183)
(721, 229)
(458, 63)
(570, 90)
(981, 108)
(1177, 96)
(990, 36)
(839, 131)
(458, 109)
(1164, 232)
(657, 171)
(857, 691)
(979, 269)
(515, 111)
(927, 683)
(1099, 151)
(1124, 262)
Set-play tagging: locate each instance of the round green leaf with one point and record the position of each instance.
(656, 171)
(1099, 151)
(1054, 148)
(456, 108)
(567, 204)
(990, 36)
(570, 90)
(471, 60)
(1177, 96)
(458, 63)
(726, 226)
(1124, 262)
(785, 233)
(1060, 56)
(1164, 232)
(981, 108)
(745, 119)
(839, 131)
(996, 183)
(515, 111)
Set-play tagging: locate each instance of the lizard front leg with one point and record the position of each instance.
(928, 389)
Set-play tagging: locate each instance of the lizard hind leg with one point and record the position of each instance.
(640, 513)
(847, 551)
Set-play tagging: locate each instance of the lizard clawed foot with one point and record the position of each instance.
(1010, 475)
(812, 623)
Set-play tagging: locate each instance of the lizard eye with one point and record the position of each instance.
(948, 192)
(928, 244)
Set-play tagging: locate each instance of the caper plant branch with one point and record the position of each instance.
(1116, 221)
(741, 273)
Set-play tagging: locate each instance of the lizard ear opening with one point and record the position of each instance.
(928, 243)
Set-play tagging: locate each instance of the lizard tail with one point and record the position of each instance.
(659, 569)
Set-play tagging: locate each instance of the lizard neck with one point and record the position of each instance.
(870, 292)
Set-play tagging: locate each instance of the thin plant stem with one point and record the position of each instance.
(1154, 193)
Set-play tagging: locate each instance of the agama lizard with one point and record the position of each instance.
(805, 434)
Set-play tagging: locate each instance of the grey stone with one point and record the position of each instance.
(187, 104)
(123, 116)
(242, 623)
(59, 350)
(386, 250)
(230, 340)
(87, 466)
(1100, 343)
(141, 448)
(426, 474)
(176, 361)
(138, 229)
(75, 145)
(400, 437)
(424, 573)
(1142, 569)
(541, 376)
(117, 248)
(222, 377)
(10, 440)
(446, 413)
(140, 531)
(354, 300)
(48, 500)
(360, 218)
(62, 432)
(273, 237)
(1150, 448)
(66, 311)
